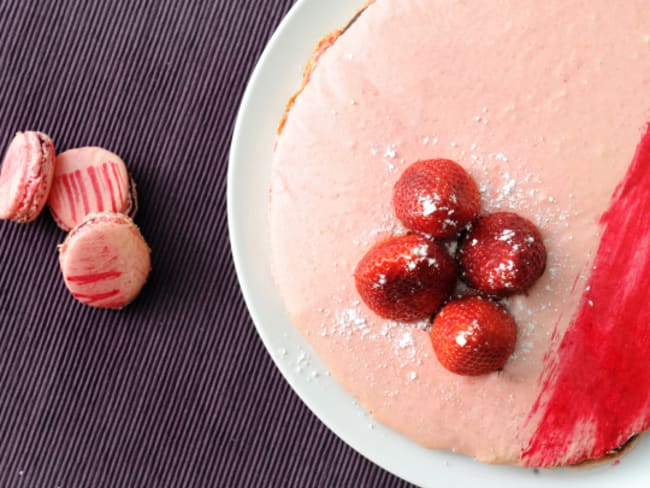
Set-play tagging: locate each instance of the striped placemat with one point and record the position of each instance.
(177, 390)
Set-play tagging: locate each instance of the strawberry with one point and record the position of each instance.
(437, 197)
(406, 278)
(472, 336)
(502, 254)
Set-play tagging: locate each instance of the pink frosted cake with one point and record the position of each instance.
(546, 106)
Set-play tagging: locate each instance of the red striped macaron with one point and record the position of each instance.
(90, 180)
(26, 176)
(105, 261)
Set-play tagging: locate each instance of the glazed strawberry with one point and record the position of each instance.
(472, 336)
(406, 278)
(437, 197)
(502, 254)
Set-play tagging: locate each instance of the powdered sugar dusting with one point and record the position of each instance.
(349, 319)
(353, 319)
(429, 203)
(381, 282)
(406, 340)
(461, 338)
(386, 154)
(388, 225)
(390, 152)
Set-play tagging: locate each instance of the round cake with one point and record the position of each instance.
(546, 106)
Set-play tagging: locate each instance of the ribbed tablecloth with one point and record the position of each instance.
(177, 389)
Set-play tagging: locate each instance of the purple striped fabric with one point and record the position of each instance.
(177, 390)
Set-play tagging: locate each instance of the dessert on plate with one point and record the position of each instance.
(546, 106)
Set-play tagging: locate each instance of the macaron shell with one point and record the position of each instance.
(89, 180)
(12, 177)
(105, 261)
(25, 176)
(39, 162)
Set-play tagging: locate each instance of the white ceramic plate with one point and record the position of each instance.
(276, 77)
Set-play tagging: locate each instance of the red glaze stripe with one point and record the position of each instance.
(94, 278)
(86, 298)
(82, 190)
(68, 190)
(107, 179)
(596, 392)
(75, 191)
(118, 180)
(92, 173)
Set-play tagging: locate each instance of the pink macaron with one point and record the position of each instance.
(105, 260)
(90, 180)
(26, 176)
